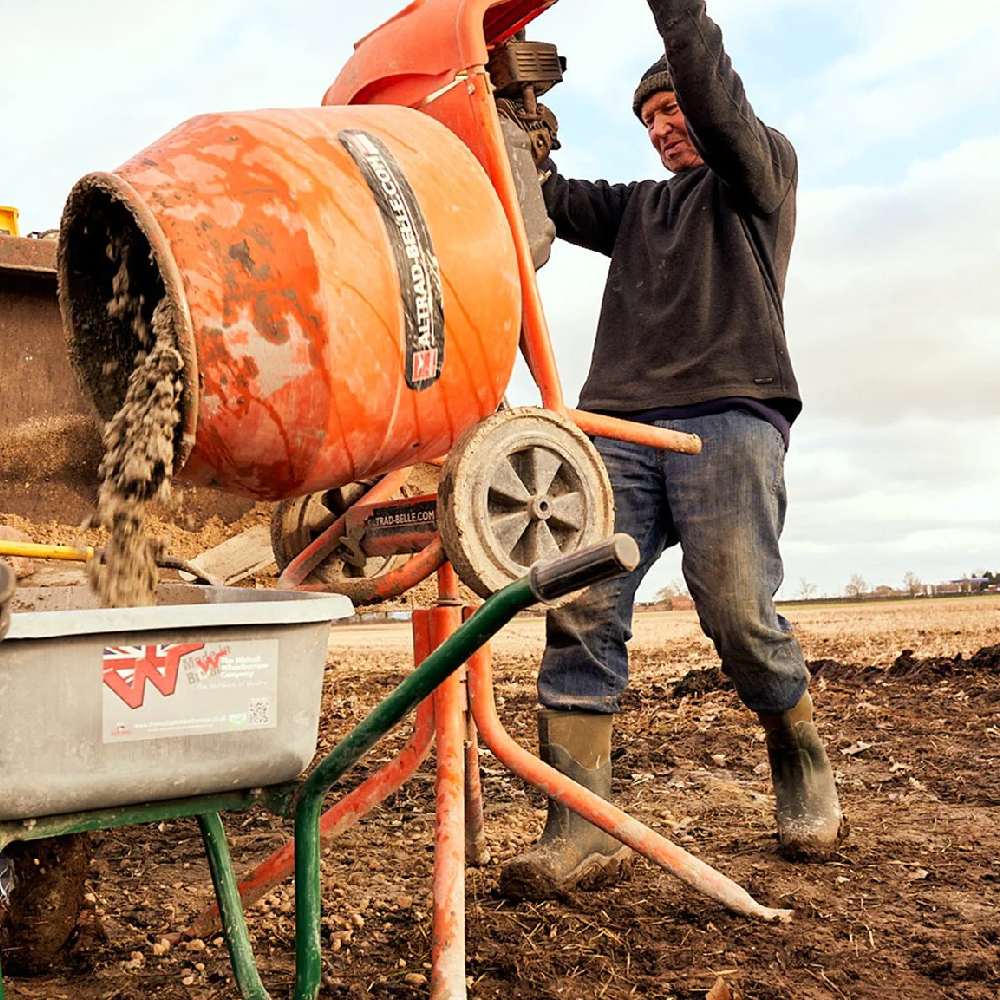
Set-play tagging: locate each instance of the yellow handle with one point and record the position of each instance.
(29, 550)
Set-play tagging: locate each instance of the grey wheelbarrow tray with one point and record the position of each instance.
(300, 800)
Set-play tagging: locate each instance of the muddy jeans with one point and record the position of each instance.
(726, 509)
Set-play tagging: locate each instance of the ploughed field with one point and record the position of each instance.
(910, 906)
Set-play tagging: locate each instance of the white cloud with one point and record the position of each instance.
(911, 71)
(893, 302)
(899, 34)
(880, 499)
(86, 86)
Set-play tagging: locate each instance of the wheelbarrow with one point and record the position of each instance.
(107, 778)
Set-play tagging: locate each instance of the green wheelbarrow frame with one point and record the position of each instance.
(303, 800)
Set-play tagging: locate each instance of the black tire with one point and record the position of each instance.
(522, 486)
(49, 881)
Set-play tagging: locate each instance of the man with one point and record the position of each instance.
(691, 337)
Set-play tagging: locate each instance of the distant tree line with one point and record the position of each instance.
(858, 586)
(977, 581)
(676, 588)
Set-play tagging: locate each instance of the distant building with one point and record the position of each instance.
(967, 585)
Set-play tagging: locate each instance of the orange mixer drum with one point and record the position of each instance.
(344, 289)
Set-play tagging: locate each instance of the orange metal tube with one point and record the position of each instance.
(597, 425)
(385, 588)
(447, 580)
(475, 821)
(448, 940)
(536, 343)
(612, 820)
(336, 820)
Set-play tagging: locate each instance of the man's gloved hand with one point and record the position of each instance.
(667, 11)
(7, 585)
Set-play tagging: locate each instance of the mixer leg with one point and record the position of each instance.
(448, 948)
(475, 824)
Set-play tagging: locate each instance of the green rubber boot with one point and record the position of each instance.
(810, 821)
(572, 853)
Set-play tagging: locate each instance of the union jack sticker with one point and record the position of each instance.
(126, 669)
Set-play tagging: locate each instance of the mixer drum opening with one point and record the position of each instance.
(110, 283)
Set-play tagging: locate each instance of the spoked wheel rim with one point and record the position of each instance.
(535, 506)
(522, 486)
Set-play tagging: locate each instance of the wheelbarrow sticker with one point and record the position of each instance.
(161, 690)
(128, 668)
(416, 264)
(207, 665)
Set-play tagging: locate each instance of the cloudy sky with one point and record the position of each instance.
(893, 302)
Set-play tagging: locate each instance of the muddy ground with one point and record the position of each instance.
(909, 908)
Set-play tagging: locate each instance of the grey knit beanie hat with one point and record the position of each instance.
(655, 79)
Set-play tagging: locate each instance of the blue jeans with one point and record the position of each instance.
(726, 509)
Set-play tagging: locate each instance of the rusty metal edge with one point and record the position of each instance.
(120, 190)
(20, 256)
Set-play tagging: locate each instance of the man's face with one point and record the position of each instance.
(668, 132)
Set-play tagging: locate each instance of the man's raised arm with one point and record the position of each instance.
(757, 161)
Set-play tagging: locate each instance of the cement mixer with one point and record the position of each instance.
(348, 288)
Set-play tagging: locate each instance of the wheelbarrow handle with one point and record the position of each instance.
(557, 577)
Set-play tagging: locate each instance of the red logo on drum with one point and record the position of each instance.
(424, 365)
(128, 668)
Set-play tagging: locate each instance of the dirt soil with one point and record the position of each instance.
(908, 907)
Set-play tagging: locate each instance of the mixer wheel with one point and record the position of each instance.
(522, 486)
(297, 522)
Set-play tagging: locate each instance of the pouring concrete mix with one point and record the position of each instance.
(138, 448)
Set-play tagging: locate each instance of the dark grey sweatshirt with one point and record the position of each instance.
(692, 310)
